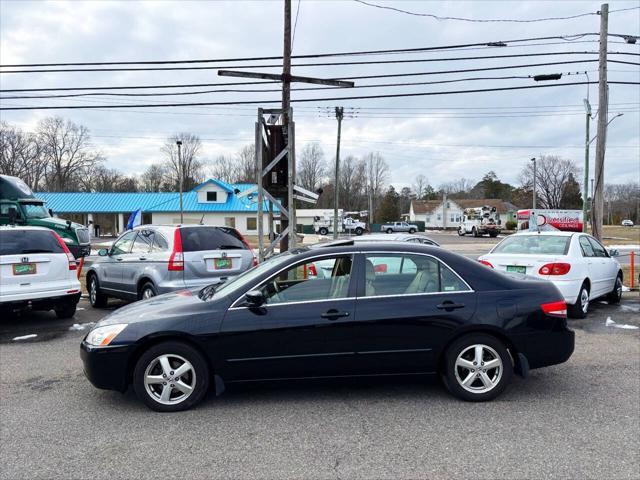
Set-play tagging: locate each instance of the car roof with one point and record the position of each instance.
(346, 246)
(560, 233)
(387, 237)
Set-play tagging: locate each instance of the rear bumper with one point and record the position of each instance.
(569, 289)
(48, 302)
(106, 367)
(546, 348)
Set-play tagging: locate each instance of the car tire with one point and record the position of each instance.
(389, 230)
(147, 291)
(150, 385)
(464, 381)
(461, 232)
(323, 231)
(581, 307)
(359, 231)
(97, 299)
(412, 231)
(474, 232)
(493, 235)
(615, 295)
(66, 310)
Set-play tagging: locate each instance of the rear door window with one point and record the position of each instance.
(197, 239)
(143, 242)
(21, 242)
(586, 247)
(159, 243)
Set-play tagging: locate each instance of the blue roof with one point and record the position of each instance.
(89, 202)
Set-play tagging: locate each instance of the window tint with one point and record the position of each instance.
(5, 207)
(159, 243)
(534, 244)
(598, 249)
(123, 244)
(321, 279)
(587, 249)
(20, 242)
(143, 242)
(197, 239)
(408, 274)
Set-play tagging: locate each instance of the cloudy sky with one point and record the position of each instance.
(444, 137)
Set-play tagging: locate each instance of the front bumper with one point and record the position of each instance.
(106, 367)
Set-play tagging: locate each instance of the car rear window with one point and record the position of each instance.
(196, 239)
(534, 244)
(20, 242)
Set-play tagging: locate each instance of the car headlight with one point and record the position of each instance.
(67, 240)
(102, 336)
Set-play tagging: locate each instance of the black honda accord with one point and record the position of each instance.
(332, 311)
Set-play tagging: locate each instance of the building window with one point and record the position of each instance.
(252, 223)
(439, 216)
(212, 196)
(230, 222)
(453, 218)
(427, 219)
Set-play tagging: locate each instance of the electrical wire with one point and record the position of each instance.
(307, 100)
(295, 26)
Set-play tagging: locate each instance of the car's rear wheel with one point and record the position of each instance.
(66, 310)
(461, 232)
(359, 231)
(474, 232)
(147, 291)
(323, 231)
(96, 297)
(389, 230)
(170, 377)
(477, 368)
(615, 295)
(581, 307)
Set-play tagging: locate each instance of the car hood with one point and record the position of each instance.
(176, 305)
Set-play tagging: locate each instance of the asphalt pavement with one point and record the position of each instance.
(580, 419)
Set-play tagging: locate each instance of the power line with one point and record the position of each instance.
(306, 100)
(295, 26)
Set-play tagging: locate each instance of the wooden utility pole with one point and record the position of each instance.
(603, 110)
(336, 187)
(287, 202)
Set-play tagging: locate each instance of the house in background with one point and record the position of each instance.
(447, 214)
(212, 203)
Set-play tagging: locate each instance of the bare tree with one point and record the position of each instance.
(99, 178)
(377, 171)
(153, 179)
(551, 179)
(189, 165)
(310, 167)
(225, 168)
(246, 165)
(420, 186)
(21, 155)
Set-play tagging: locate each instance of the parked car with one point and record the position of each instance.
(627, 223)
(37, 271)
(392, 227)
(399, 237)
(577, 263)
(441, 314)
(155, 259)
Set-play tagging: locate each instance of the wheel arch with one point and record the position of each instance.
(141, 281)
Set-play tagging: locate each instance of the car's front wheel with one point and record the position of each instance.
(170, 377)
(461, 232)
(615, 295)
(581, 307)
(412, 231)
(323, 231)
(96, 297)
(477, 368)
(389, 230)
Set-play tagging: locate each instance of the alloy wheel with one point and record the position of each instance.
(619, 288)
(147, 293)
(170, 379)
(478, 368)
(93, 291)
(584, 300)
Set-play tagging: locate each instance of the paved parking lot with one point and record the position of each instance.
(576, 420)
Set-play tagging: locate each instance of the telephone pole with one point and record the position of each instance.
(339, 115)
(287, 201)
(603, 104)
(180, 176)
(585, 185)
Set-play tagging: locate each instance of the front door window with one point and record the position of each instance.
(123, 244)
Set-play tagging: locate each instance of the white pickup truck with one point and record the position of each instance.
(324, 226)
(394, 227)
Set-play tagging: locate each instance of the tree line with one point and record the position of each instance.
(59, 156)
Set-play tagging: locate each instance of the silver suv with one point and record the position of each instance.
(154, 259)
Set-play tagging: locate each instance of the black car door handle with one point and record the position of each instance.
(334, 314)
(449, 306)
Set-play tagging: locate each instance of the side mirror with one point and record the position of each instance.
(103, 252)
(254, 298)
(613, 252)
(50, 213)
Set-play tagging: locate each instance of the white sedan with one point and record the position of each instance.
(576, 263)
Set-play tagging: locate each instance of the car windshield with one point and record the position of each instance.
(534, 244)
(213, 292)
(35, 210)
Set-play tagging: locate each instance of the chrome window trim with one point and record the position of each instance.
(307, 260)
(292, 265)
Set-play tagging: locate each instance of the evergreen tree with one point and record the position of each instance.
(389, 210)
(571, 196)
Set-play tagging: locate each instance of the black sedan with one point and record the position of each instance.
(332, 311)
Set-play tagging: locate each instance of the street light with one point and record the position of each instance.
(595, 136)
(179, 144)
(534, 182)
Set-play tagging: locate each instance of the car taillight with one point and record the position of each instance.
(555, 309)
(485, 263)
(244, 240)
(176, 260)
(72, 260)
(555, 269)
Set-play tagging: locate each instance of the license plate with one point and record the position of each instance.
(24, 268)
(222, 263)
(516, 269)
